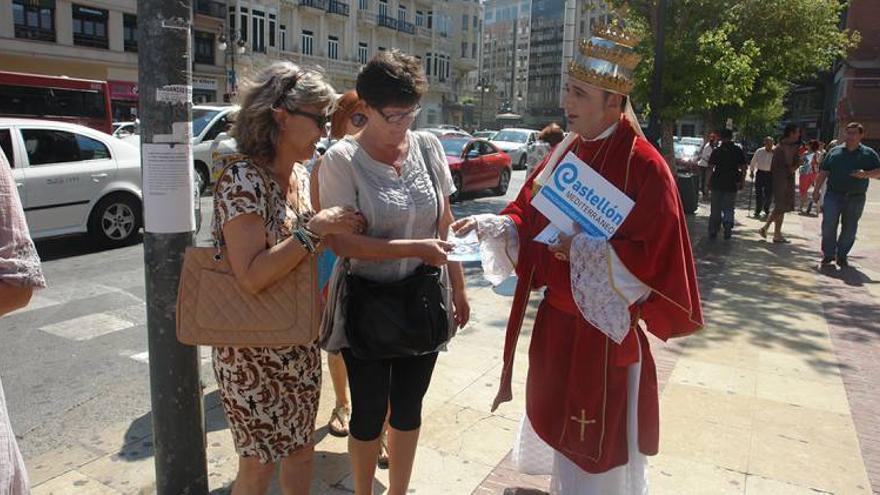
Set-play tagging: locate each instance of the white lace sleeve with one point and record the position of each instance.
(602, 286)
(499, 246)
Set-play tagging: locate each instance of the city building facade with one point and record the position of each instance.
(503, 74)
(97, 39)
(855, 82)
(545, 63)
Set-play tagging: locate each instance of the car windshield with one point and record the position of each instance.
(201, 118)
(511, 136)
(453, 147)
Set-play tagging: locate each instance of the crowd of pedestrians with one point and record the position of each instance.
(834, 181)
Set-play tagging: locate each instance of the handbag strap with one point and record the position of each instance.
(432, 175)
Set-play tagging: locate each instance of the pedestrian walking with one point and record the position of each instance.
(807, 174)
(759, 170)
(846, 170)
(263, 216)
(387, 284)
(347, 120)
(727, 169)
(592, 407)
(783, 166)
(548, 138)
(703, 162)
(20, 274)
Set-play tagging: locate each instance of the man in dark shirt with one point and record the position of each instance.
(847, 169)
(727, 166)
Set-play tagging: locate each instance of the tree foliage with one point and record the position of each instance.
(736, 58)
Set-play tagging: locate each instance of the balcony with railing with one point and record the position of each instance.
(423, 32)
(387, 22)
(338, 7)
(406, 27)
(211, 8)
(315, 4)
(367, 16)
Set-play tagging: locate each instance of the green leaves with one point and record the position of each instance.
(737, 58)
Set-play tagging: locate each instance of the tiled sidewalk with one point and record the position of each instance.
(778, 394)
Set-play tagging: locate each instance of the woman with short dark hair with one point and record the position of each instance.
(399, 180)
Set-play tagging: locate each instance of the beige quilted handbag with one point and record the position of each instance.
(213, 309)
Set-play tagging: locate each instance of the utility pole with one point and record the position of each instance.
(165, 81)
(657, 77)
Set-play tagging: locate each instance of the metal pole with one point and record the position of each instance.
(165, 81)
(657, 77)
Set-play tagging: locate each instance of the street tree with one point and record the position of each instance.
(734, 58)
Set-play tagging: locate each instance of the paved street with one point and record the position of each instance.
(775, 396)
(74, 363)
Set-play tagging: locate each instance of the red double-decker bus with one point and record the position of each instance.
(81, 101)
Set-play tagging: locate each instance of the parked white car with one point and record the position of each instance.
(124, 129)
(517, 143)
(74, 180)
(209, 121)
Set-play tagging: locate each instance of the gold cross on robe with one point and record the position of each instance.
(583, 421)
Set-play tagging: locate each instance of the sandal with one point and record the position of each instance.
(383, 451)
(339, 418)
(763, 232)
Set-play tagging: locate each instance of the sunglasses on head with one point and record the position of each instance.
(319, 119)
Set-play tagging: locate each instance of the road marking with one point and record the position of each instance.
(38, 301)
(144, 357)
(88, 327)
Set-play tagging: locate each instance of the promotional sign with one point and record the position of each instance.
(577, 196)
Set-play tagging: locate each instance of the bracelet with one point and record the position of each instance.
(305, 240)
(315, 237)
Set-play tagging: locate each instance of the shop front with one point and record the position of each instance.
(204, 90)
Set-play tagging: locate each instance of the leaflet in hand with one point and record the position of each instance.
(577, 196)
(465, 248)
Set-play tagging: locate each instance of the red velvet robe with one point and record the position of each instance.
(576, 392)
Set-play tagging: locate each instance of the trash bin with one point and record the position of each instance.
(687, 190)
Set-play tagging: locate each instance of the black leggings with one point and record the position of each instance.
(373, 383)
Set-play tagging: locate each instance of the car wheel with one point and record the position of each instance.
(503, 183)
(456, 196)
(522, 162)
(203, 176)
(116, 220)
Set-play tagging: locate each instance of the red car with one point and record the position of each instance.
(476, 164)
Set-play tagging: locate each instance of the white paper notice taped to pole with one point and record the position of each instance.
(168, 188)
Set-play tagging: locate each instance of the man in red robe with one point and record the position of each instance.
(591, 392)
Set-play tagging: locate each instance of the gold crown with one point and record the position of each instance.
(623, 57)
(616, 34)
(615, 84)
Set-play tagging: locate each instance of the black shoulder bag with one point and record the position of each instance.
(398, 319)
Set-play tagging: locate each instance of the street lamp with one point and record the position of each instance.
(483, 87)
(239, 48)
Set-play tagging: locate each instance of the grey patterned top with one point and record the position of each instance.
(395, 207)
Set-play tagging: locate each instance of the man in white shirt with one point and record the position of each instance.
(703, 163)
(763, 180)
